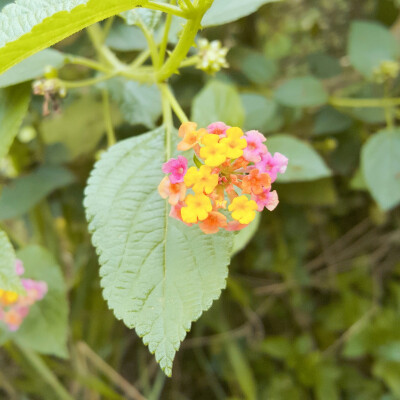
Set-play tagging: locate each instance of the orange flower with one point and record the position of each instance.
(213, 222)
(176, 192)
(190, 135)
(255, 182)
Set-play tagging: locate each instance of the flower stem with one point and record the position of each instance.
(164, 41)
(167, 118)
(175, 105)
(86, 82)
(364, 103)
(111, 140)
(167, 8)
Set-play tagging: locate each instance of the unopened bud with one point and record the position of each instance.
(212, 56)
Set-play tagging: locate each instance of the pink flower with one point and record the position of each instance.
(175, 192)
(177, 167)
(218, 128)
(272, 164)
(266, 199)
(19, 268)
(255, 147)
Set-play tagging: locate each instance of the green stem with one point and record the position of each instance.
(189, 62)
(44, 371)
(86, 82)
(364, 103)
(96, 36)
(164, 41)
(111, 140)
(175, 105)
(150, 41)
(107, 28)
(167, 8)
(140, 59)
(186, 41)
(167, 118)
(189, 5)
(388, 109)
(86, 62)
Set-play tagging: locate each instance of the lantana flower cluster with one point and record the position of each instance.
(231, 180)
(14, 307)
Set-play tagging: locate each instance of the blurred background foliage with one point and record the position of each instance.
(312, 305)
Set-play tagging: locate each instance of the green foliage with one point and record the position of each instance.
(222, 13)
(33, 67)
(259, 111)
(8, 277)
(27, 191)
(45, 329)
(243, 237)
(14, 103)
(147, 279)
(305, 163)
(51, 22)
(329, 120)
(311, 309)
(67, 130)
(301, 92)
(218, 102)
(381, 167)
(139, 104)
(370, 44)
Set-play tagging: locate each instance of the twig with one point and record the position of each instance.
(113, 375)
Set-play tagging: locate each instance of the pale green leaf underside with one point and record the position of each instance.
(8, 277)
(158, 274)
(222, 11)
(14, 103)
(45, 329)
(29, 26)
(305, 164)
(380, 163)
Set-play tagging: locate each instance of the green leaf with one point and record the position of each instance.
(316, 193)
(14, 103)
(258, 69)
(278, 46)
(158, 274)
(126, 38)
(329, 120)
(243, 237)
(84, 115)
(218, 101)
(139, 104)
(304, 91)
(259, 111)
(25, 192)
(8, 277)
(305, 164)
(45, 329)
(324, 66)
(222, 12)
(28, 26)
(369, 44)
(33, 67)
(380, 163)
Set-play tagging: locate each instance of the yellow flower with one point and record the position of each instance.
(197, 208)
(243, 209)
(201, 180)
(213, 152)
(8, 298)
(235, 142)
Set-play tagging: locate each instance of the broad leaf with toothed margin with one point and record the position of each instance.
(28, 26)
(158, 274)
(8, 277)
